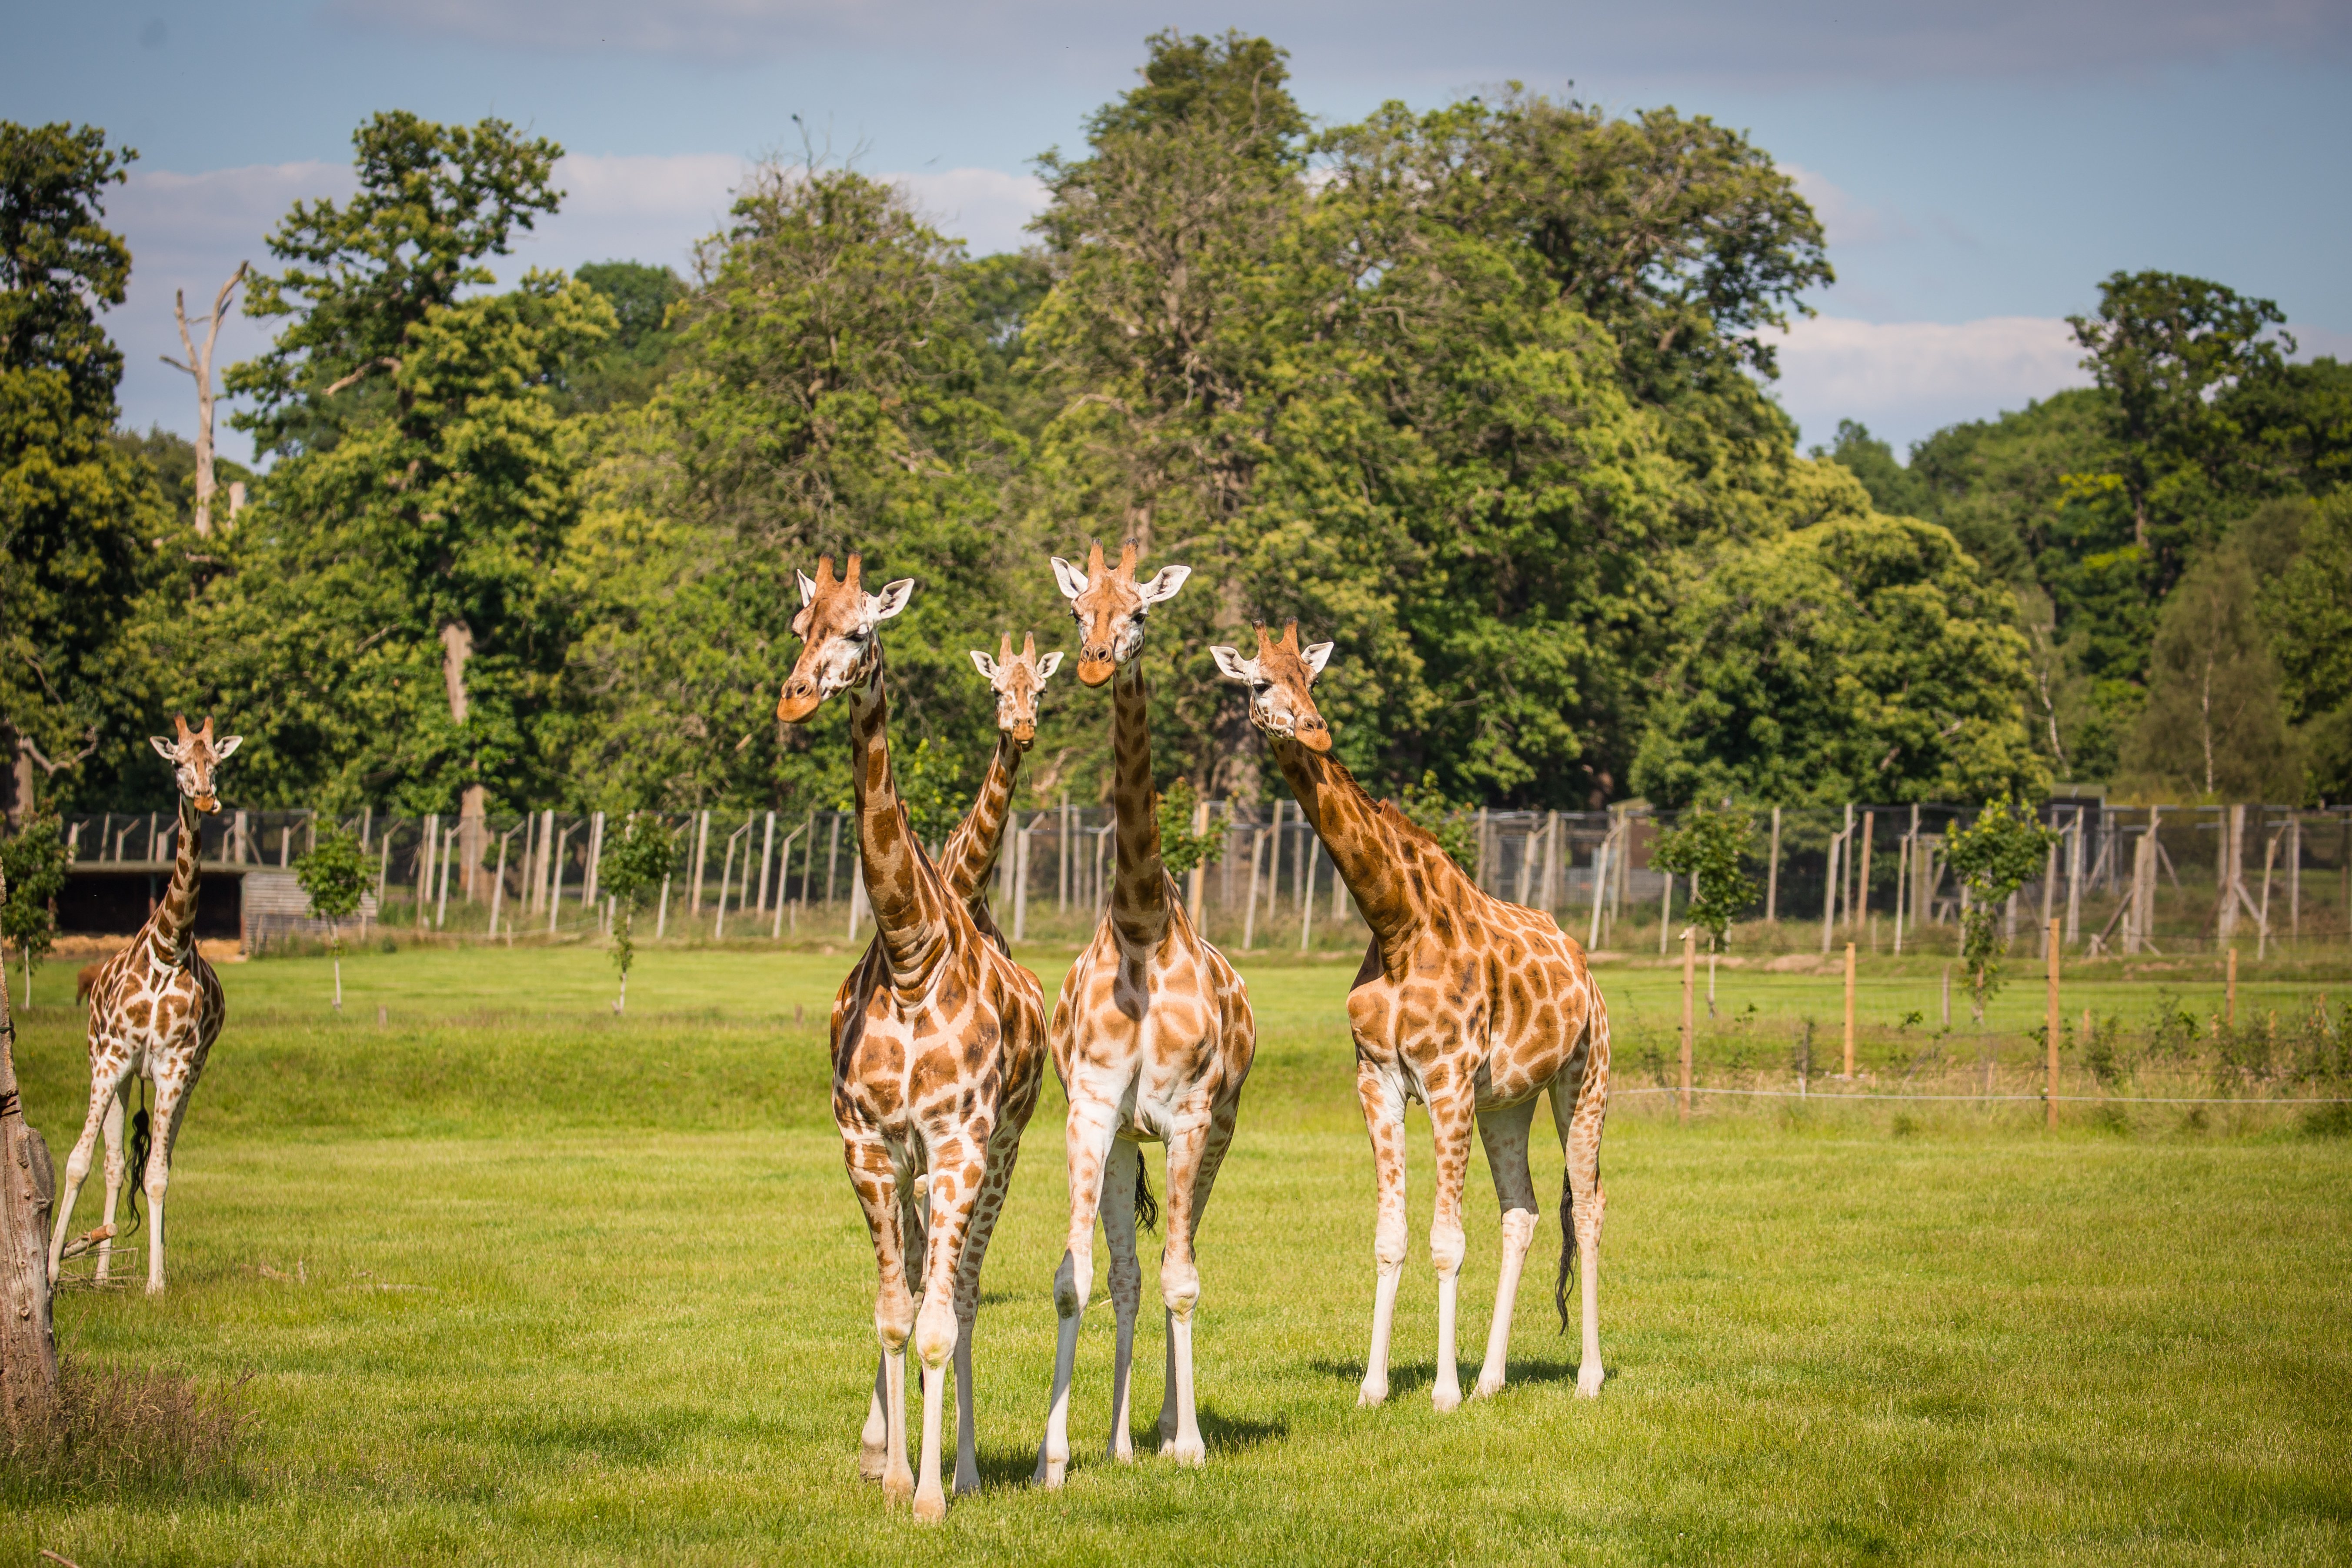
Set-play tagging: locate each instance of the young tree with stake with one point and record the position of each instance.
(1993, 857)
(34, 864)
(1711, 848)
(335, 874)
(634, 861)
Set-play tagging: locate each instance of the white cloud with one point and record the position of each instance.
(985, 208)
(1908, 379)
(1845, 219)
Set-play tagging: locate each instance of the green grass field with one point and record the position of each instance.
(511, 1280)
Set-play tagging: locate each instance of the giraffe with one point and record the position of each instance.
(970, 854)
(1469, 1004)
(155, 1009)
(938, 1048)
(1152, 1037)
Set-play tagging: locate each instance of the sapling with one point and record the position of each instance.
(34, 860)
(335, 874)
(1180, 848)
(636, 861)
(1711, 847)
(1993, 857)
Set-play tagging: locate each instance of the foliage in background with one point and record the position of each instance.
(1711, 848)
(1180, 848)
(1453, 824)
(929, 776)
(2212, 729)
(2306, 603)
(1993, 857)
(334, 873)
(634, 865)
(33, 861)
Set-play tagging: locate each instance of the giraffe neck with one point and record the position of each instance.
(175, 919)
(1391, 872)
(972, 849)
(902, 887)
(1139, 903)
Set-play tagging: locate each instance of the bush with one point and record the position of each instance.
(115, 1430)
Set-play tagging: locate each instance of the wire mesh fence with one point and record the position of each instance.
(2165, 879)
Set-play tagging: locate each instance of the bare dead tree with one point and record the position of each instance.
(28, 1347)
(200, 366)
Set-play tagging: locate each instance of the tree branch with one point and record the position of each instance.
(387, 363)
(26, 744)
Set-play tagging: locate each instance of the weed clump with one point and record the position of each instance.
(114, 1431)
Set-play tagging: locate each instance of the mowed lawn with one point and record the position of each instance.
(564, 1288)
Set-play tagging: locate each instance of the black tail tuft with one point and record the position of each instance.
(1147, 1207)
(1566, 1247)
(143, 1142)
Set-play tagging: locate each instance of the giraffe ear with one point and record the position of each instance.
(226, 744)
(1073, 581)
(985, 665)
(163, 748)
(1233, 667)
(808, 589)
(1049, 664)
(1316, 657)
(892, 599)
(1164, 584)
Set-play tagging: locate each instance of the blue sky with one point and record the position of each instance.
(1979, 167)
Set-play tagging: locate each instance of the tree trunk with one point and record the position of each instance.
(28, 1346)
(473, 826)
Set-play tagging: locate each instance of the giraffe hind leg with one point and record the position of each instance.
(106, 1076)
(1582, 1201)
(116, 1104)
(1505, 1133)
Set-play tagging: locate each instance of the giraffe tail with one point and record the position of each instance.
(1147, 1207)
(143, 1142)
(1567, 1248)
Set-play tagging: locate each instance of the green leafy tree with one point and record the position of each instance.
(2214, 727)
(2167, 347)
(1894, 489)
(396, 622)
(79, 517)
(929, 776)
(1993, 857)
(1711, 847)
(2306, 606)
(1450, 823)
(33, 866)
(641, 349)
(1180, 848)
(635, 862)
(1865, 659)
(335, 875)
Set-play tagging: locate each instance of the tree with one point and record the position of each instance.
(2167, 347)
(335, 875)
(2306, 606)
(77, 515)
(1710, 847)
(635, 862)
(1863, 659)
(641, 349)
(1894, 489)
(1449, 821)
(1180, 848)
(395, 617)
(1993, 857)
(33, 863)
(199, 368)
(930, 777)
(2214, 727)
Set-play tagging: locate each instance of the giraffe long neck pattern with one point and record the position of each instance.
(1392, 871)
(173, 922)
(903, 888)
(1139, 893)
(972, 849)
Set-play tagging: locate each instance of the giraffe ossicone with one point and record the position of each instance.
(1152, 1036)
(938, 1048)
(155, 1009)
(1469, 1004)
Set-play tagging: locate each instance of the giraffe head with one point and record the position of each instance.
(1019, 682)
(1281, 679)
(835, 627)
(1109, 605)
(193, 757)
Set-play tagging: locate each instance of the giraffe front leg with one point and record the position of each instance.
(874, 1176)
(1087, 1136)
(1004, 1153)
(1179, 1288)
(1450, 1119)
(955, 1184)
(1384, 1102)
(116, 1163)
(1120, 1172)
(171, 1104)
(107, 1072)
(873, 1438)
(1505, 1133)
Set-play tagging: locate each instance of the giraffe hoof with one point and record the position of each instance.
(1447, 1399)
(1487, 1388)
(966, 1484)
(1195, 1452)
(1120, 1453)
(1588, 1380)
(930, 1504)
(1051, 1473)
(899, 1486)
(872, 1461)
(1370, 1394)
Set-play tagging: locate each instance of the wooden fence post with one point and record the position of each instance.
(1772, 872)
(1690, 1022)
(28, 1346)
(2051, 1092)
(1849, 1010)
(2233, 1014)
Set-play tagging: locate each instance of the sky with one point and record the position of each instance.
(1979, 167)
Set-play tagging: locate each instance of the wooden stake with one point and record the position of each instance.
(2051, 1094)
(28, 1346)
(1772, 872)
(1690, 978)
(2231, 1015)
(1849, 1009)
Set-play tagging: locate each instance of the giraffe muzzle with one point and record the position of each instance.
(1095, 667)
(1023, 734)
(1312, 733)
(798, 701)
(208, 803)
